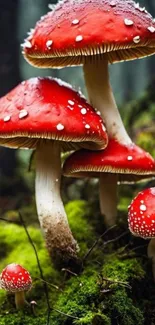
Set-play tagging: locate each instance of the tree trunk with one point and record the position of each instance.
(10, 77)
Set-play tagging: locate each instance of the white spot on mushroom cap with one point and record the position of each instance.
(113, 3)
(136, 39)
(27, 44)
(151, 29)
(129, 158)
(137, 6)
(83, 111)
(7, 118)
(152, 190)
(103, 128)
(143, 207)
(70, 107)
(23, 113)
(51, 6)
(60, 127)
(63, 83)
(70, 102)
(79, 38)
(128, 22)
(75, 22)
(87, 126)
(49, 44)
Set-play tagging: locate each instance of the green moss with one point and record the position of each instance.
(15, 319)
(146, 141)
(123, 309)
(79, 212)
(94, 319)
(120, 305)
(122, 270)
(79, 297)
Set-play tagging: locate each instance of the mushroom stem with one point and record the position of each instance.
(101, 97)
(108, 197)
(151, 254)
(20, 299)
(51, 212)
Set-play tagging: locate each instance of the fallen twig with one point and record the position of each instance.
(96, 243)
(70, 272)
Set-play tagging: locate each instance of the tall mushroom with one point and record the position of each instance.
(117, 163)
(45, 114)
(14, 278)
(141, 219)
(93, 33)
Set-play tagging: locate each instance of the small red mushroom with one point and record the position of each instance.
(141, 214)
(14, 278)
(141, 220)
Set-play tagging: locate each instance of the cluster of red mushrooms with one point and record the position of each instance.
(46, 114)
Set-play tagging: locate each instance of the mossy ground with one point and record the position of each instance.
(108, 291)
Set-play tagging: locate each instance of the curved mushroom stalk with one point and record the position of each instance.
(101, 97)
(108, 197)
(151, 254)
(51, 212)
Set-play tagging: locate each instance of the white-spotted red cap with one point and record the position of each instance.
(15, 278)
(75, 30)
(46, 108)
(129, 162)
(141, 214)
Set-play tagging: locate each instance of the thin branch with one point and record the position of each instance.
(50, 284)
(115, 239)
(70, 272)
(61, 312)
(96, 243)
(10, 221)
(117, 282)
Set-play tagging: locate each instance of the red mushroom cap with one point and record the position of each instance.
(76, 29)
(15, 278)
(141, 214)
(128, 161)
(45, 108)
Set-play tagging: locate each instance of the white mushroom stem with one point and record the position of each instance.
(108, 197)
(151, 254)
(101, 97)
(20, 299)
(51, 212)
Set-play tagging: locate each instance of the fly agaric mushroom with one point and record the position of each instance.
(117, 163)
(45, 114)
(93, 33)
(141, 219)
(14, 278)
